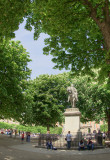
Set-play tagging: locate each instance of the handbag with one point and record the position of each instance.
(65, 139)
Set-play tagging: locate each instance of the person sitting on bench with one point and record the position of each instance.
(49, 145)
(90, 144)
(81, 145)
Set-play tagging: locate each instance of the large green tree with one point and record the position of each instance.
(49, 100)
(13, 78)
(93, 98)
(79, 34)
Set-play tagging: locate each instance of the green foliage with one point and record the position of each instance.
(56, 130)
(46, 100)
(50, 99)
(7, 125)
(13, 78)
(79, 30)
(11, 15)
(104, 128)
(32, 129)
(93, 98)
(77, 37)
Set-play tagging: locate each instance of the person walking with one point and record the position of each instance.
(22, 137)
(68, 138)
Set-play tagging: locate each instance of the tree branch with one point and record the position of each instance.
(93, 11)
(106, 11)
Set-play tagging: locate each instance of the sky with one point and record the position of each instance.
(41, 64)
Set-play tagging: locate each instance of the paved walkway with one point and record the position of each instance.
(31, 147)
(13, 149)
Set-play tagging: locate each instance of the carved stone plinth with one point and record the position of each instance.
(72, 122)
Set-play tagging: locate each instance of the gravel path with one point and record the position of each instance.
(13, 149)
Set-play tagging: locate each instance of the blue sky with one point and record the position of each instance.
(41, 64)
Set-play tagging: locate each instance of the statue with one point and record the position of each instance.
(72, 95)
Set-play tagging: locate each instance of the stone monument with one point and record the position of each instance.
(72, 115)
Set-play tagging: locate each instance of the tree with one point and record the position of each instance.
(79, 27)
(79, 34)
(48, 95)
(13, 78)
(11, 15)
(50, 99)
(93, 99)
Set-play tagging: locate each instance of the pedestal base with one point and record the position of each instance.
(72, 120)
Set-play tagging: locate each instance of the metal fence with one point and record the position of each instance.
(60, 142)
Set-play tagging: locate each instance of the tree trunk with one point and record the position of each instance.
(104, 26)
(48, 128)
(105, 29)
(109, 124)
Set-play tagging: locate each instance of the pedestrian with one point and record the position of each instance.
(104, 137)
(11, 133)
(19, 132)
(27, 136)
(68, 138)
(22, 137)
(15, 133)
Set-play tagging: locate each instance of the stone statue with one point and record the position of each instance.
(72, 95)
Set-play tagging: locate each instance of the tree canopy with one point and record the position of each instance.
(12, 14)
(79, 40)
(79, 30)
(13, 75)
(93, 98)
(79, 33)
(49, 100)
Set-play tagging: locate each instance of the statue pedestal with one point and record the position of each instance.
(72, 122)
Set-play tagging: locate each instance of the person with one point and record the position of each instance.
(15, 133)
(49, 145)
(72, 95)
(11, 133)
(90, 144)
(22, 137)
(68, 138)
(19, 132)
(104, 137)
(27, 136)
(99, 137)
(81, 145)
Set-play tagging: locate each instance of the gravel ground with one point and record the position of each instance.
(13, 149)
